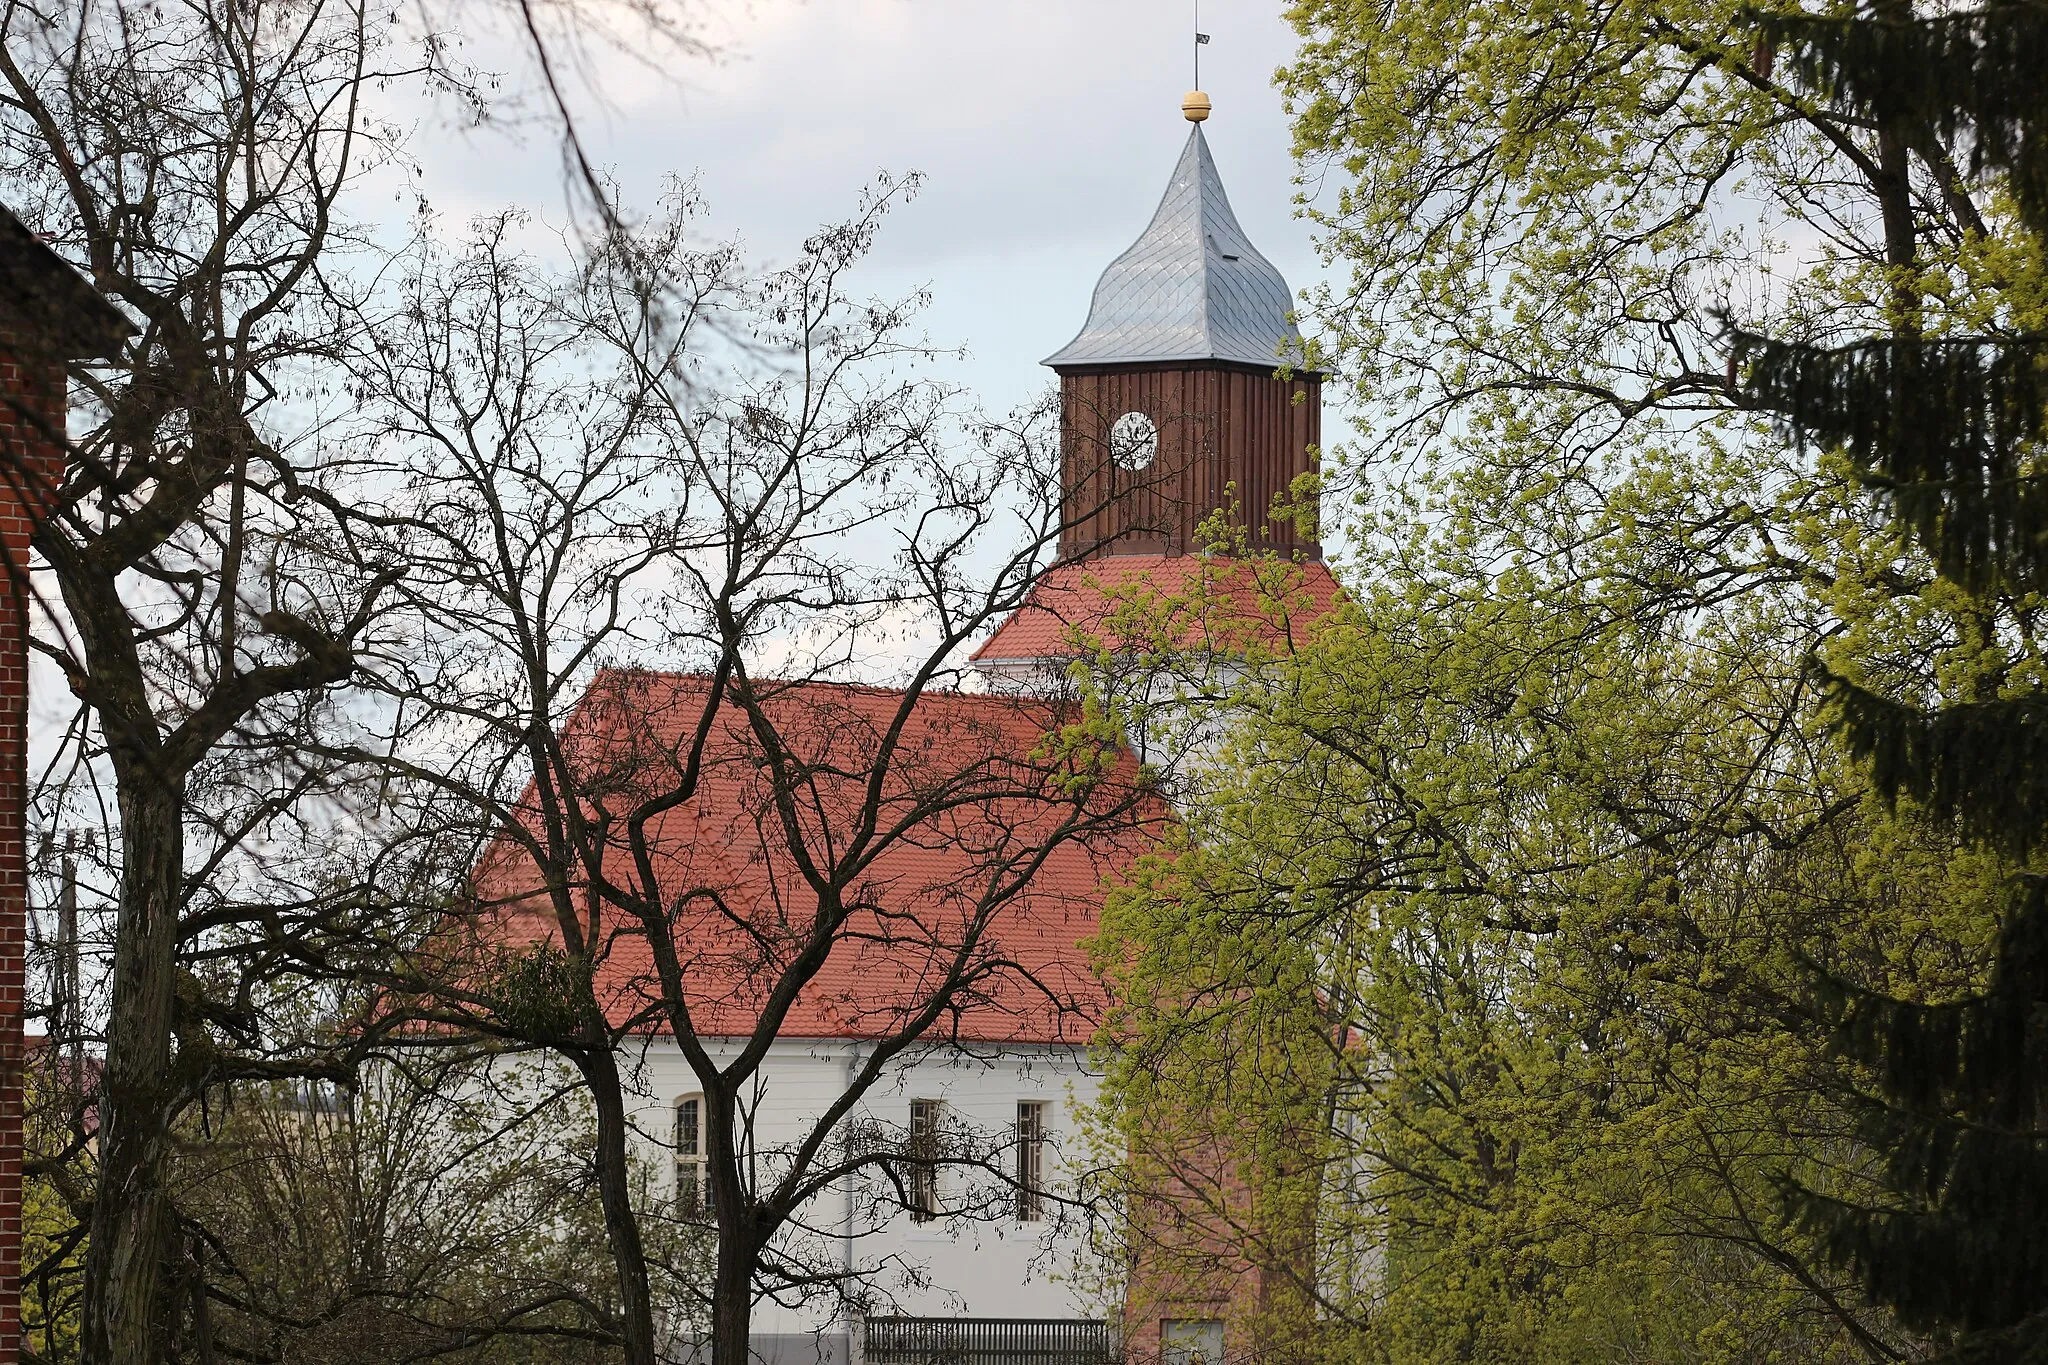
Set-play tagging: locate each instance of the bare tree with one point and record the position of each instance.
(195, 158)
(400, 1219)
(661, 521)
(199, 160)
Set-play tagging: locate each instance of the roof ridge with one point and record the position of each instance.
(1205, 171)
(615, 674)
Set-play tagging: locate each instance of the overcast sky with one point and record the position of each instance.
(1046, 128)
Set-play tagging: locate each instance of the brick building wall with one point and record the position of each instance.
(49, 315)
(1209, 1248)
(32, 388)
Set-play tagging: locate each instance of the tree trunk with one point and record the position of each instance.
(131, 1210)
(1894, 188)
(615, 1191)
(732, 1295)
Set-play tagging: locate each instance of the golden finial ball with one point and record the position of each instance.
(1195, 106)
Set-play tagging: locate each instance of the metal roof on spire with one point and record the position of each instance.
(1192, 287)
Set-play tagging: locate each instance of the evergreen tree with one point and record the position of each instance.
(1948, 432)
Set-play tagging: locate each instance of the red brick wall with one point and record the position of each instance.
(1193, 1239)
(31, 409)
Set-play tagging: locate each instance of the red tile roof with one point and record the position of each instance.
(975, 801)
(1193, 600)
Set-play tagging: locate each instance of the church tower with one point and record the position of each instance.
(1172, 409)
(1170, 405)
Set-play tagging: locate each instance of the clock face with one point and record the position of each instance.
(1133, 441)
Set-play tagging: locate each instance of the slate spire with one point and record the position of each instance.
(1192, 287)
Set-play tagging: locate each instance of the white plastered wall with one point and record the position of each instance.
(948, 1267)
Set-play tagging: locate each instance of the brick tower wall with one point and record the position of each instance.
(1206, 1247)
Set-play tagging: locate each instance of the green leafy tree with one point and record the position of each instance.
(1947, 429)
(1485, 944)
(57, 1179)
(1545, 832)
(440, 1209)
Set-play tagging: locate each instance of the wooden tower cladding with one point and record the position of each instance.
(1227, 437)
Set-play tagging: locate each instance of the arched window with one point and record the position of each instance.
(693, 1184)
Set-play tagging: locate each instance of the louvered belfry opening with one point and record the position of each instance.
(988, 1341)
(1187, 345)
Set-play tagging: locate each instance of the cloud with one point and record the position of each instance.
(1046, 132)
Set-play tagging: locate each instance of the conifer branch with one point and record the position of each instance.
(1972, 77)
(1947, 430)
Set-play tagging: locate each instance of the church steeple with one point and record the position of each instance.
(1171, 409)
(1192, 287)
(1170, 402)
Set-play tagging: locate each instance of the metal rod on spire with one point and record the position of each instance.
(1195, 106)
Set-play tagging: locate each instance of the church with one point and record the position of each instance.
(1176, 408)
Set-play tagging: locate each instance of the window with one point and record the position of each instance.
(693, 1183)
(1030, 1160)
(924, 1152)
(1133, 441)
(1191, 1341)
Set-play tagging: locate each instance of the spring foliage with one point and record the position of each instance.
(1523, 931)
